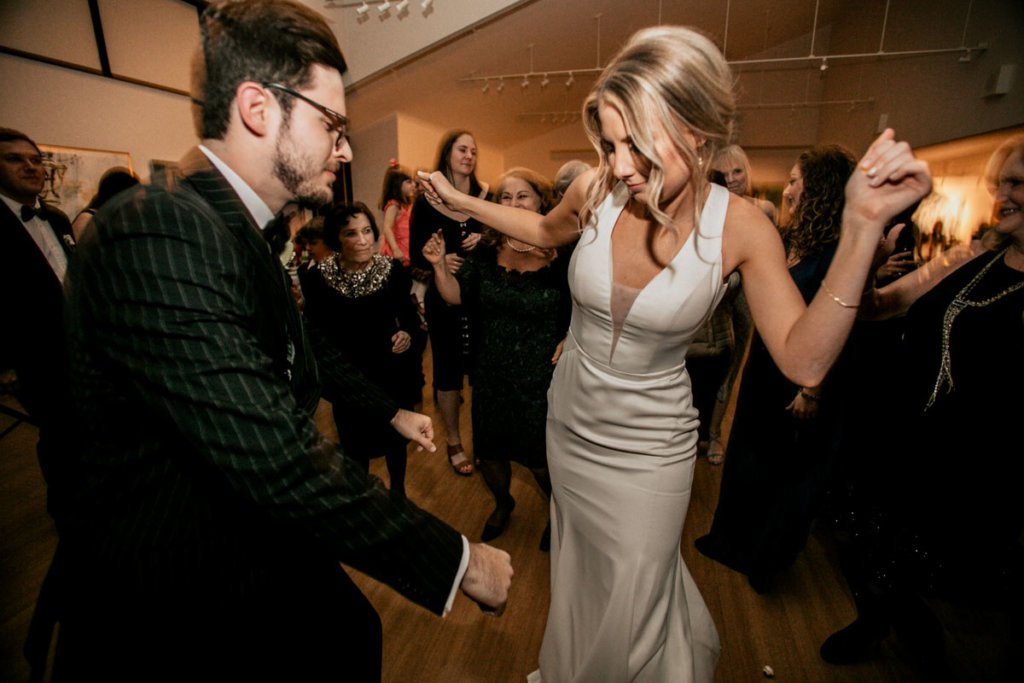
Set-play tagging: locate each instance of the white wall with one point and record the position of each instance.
(57, 106)
(375, 42)
(150, 40)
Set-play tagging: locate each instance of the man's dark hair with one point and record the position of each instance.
(266, 41)
(10, 135)
(339, 217)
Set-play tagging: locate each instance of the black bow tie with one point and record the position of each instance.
(30, 212)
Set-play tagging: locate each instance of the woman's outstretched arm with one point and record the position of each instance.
(560, 226)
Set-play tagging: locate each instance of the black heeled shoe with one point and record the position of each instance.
(498, 521)
(853, 644)
(545, 539)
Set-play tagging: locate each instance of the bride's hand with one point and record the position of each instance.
(438, 190)
(887, 180)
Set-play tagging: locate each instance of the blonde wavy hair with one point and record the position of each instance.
(733, 156)
(676, 77)
(993, 239)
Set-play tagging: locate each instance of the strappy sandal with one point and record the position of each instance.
(716, 453)
(461, 465)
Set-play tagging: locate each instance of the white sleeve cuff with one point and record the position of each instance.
(463, 566)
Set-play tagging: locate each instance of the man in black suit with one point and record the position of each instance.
(209, 515)
(35, 244)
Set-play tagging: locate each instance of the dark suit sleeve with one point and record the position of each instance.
(169, 313)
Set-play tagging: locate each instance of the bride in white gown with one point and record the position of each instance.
(656, 245)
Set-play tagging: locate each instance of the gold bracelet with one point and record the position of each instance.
(835, 298)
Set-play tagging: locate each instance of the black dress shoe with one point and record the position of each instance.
(498, 521)
(761, 583)
(855, 643)
(545, 539)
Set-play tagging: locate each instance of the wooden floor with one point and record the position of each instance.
(782, 630)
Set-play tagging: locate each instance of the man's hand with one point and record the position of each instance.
(488, 577)
(415, 427)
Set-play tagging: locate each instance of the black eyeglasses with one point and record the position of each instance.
(339, 122)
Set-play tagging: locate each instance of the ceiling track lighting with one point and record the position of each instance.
(554, 117)
(501, 85)
(385, 8)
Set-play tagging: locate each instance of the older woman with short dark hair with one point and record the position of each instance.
(361, 300)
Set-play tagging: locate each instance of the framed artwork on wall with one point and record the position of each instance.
(73, 174)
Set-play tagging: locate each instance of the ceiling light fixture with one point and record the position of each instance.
(383, 7)
(570, 81)
(402, 6)
(525, 82)
(501, 85)
(545, 81)
(362, 9)
(426, 4)
(487, 86)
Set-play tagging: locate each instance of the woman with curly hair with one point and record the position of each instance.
(783, 432)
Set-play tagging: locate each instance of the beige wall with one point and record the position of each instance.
(546, 153)
(57, 106)
(150, 40)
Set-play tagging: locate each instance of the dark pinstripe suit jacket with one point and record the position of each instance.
(195, 385)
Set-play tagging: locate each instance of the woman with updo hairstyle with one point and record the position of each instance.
(361, 302)
(784, 433)
(657, 243)
(517, 300)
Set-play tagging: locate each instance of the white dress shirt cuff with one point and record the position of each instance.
(463, 566)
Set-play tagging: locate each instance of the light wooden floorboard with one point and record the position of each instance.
(782, 630)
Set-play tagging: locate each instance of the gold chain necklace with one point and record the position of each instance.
(955, 308)
(508, 241)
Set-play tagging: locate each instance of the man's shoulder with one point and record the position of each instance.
(155, 208)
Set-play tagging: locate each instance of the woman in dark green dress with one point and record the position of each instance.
(517, 298)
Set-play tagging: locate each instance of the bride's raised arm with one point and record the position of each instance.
(804, 340)
(560, 225)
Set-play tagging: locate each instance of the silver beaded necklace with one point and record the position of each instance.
(955, 308)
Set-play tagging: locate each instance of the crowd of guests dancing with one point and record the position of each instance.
(602, 358)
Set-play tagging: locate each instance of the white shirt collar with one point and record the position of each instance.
(257, 208)
(15, 206)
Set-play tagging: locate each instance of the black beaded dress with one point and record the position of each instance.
(957, 494)
(517, 320)
(360, 312)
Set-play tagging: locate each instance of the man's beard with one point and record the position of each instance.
(300, 177)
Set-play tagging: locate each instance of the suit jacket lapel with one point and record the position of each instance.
(282, 323)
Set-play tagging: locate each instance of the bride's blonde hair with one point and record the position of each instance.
(676, 77)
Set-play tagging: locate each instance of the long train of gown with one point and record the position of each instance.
(621, 441)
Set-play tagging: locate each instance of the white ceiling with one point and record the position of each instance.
(567, 35)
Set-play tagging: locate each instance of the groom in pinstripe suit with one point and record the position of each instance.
(209, 518)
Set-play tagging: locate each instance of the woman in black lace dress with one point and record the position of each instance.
(362, 301)
(517, 299)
